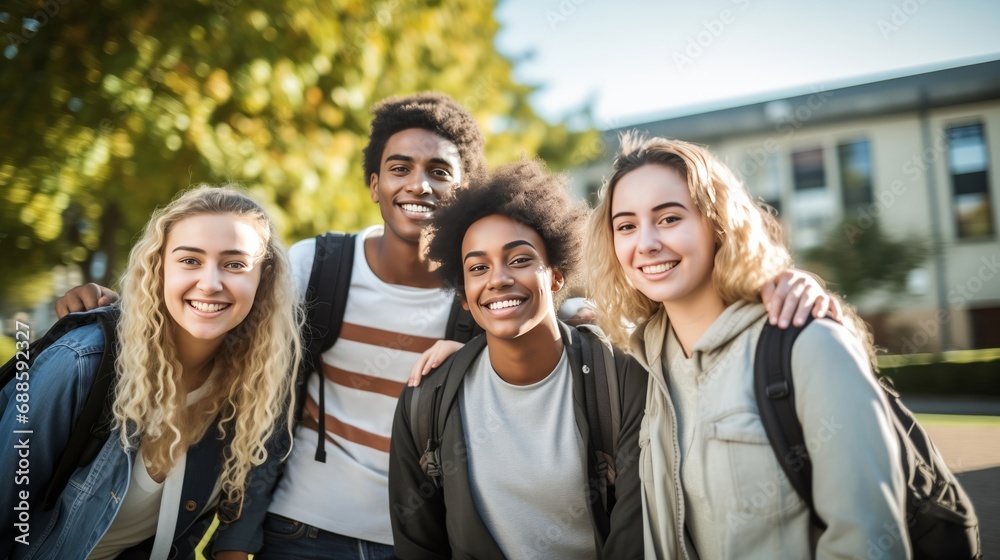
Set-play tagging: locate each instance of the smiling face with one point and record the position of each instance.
(210, 275)
(418, 168)
(508, 281)
(663, 243)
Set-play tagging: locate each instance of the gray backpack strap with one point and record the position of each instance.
(432, 400)
(611, 376)
(422, 404)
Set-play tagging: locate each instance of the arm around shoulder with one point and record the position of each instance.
(858, 484)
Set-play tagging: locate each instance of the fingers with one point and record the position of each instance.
(817, 308)
(84, 298)
(776, 291)
(789, 304)
(108, 296)
(419, 369)
(80, 298)
(432, 358)
(585, 316)
(766, 297)
(820, 308)
(836, 309)
(62, 307)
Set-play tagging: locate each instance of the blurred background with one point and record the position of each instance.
(869, 125)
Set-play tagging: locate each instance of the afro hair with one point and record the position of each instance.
(431, 111)
(524, 192)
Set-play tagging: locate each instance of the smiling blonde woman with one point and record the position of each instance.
(679, 248)
(207, 333)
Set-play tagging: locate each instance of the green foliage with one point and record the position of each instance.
(108, 108)
(7, 348)
(855, 261)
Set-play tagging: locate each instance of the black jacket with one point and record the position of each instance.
(429, 522)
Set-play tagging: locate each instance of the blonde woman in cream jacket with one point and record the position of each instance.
(677, 246)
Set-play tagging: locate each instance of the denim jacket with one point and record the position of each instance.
(59, 383)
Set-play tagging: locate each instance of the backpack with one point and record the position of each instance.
(939, 516)
(94, 423)
(326, 301)
(430, 406)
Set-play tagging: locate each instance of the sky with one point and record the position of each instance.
(641, 60)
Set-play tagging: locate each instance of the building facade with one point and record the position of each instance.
(915, 156)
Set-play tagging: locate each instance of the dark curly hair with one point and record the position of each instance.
(431, 111)
(524, 192)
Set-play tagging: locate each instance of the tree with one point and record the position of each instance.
(107, 110)
(856, 261)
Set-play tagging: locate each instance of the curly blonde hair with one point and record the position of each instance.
(251, 394)
(750, 247)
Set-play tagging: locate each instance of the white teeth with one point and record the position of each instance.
(505, 304)
(657, 268)
(419, 208)
(209, 307)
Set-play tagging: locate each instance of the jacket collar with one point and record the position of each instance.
(648, 342)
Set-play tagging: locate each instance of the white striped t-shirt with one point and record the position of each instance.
(386, 328)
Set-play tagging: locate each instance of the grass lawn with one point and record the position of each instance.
(956, 420)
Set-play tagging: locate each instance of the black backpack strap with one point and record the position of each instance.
(93, 425)
(603, 408)
(326, 300)
(775, 395)
(461, 326)
(432, 401)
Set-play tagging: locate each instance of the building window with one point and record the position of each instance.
(763, 179)
(807, 169)
(968, 164)
(811, 209)
(855, 163)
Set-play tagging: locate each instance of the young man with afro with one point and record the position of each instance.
(421, 147)
(517, 478)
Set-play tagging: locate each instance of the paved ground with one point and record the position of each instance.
(973, 452)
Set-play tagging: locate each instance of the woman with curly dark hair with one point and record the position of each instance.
(519, 468)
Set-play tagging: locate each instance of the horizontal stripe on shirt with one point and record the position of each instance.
(386, 339)
(363, 382)
(342, 429)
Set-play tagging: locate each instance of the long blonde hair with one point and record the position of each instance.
(750, 247)
(250, 394)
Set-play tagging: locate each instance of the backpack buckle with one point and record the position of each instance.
(778, 389)
(430, 463)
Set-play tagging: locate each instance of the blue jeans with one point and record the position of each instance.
(287, 539)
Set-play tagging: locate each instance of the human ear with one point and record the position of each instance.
(557, 280)
(373, 187)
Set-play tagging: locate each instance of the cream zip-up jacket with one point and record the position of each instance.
(753, 511)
